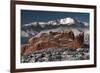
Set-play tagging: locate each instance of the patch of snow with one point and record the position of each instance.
(76, 31)
(24, 34)
(67, 21)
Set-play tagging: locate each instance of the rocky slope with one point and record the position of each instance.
(53, 40)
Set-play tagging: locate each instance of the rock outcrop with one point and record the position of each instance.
(53, 40)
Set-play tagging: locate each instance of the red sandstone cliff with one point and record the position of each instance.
(53, 40)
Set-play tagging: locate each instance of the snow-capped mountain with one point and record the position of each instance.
(65, 21)
(59, 25)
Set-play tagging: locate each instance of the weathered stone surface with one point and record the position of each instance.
(53, 40)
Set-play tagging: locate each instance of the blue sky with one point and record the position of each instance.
(28, 16)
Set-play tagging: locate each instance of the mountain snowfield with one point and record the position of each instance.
(65, 21)
(59, 25)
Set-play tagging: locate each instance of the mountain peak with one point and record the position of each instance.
(65, 21)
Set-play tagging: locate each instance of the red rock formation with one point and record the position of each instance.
(53, 40)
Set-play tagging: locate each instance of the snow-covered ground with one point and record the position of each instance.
(56, 54)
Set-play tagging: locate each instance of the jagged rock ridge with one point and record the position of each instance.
(53, 40)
